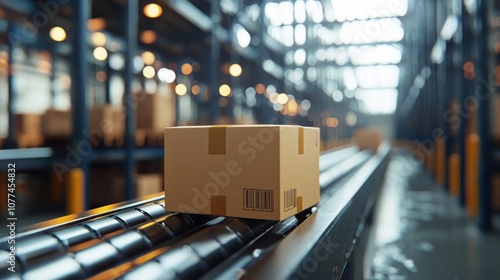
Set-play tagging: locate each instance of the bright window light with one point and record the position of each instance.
(271, 10)
(300, 57)
(242, 36)
(366, 9)
(300, 34)
(381, 76)
(300, 11)
(379, 54)
(288, 35)
(286, 12)
(371, 31)
(378, 101)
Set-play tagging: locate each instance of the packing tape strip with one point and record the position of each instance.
(217, 140)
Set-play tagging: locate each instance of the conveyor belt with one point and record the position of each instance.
(141, 240)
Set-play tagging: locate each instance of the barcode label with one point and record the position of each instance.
(258, 200)
(290, 199)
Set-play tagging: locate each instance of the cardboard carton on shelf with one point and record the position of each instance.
(146, 184)
(250, 171)
(154, 113)
(57, 123)
(368, 138)
(28, 130)
(496, 117)
(108, 123)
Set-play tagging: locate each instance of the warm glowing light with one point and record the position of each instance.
(332, 122)
(186, 69)
(44, 66)
(224, 90)
(260, 88)
(148, 72)
(195, 89)
(148, 58)
(96, 24)
(100, 53)
(292, 107)
(101, 76)
(180, 89)
(152, 10)
(57, 34)
(148, 36)
(282, 98)
(235, 70)
(469, 66)
(98, 39)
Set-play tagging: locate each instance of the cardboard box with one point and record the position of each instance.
(266, 172)
(155, 111)
(107, 122)
(368, 138)
(27, 124)
(147, 184)
(57, 123)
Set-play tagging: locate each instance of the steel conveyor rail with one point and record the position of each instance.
(141, 237)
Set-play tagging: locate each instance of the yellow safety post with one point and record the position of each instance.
(454, 174)
(440, 161)
(75, 191)
(472, 176)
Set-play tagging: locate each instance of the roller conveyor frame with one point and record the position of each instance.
(271, 232)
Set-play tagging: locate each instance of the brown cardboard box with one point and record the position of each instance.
(250, 171)
(27, 124)
(107, 121)
(155, 111)
(147, 184)
(368, 138)
(56, 123)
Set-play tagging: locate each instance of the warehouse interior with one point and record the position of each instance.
(405, 93)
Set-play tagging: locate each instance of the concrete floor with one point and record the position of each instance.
(420, 232)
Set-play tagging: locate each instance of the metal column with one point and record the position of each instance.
(131, 19)
(484, 94)
(10, 142)
(79, 98)
(214, 62)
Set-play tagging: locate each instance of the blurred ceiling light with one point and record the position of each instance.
(331, 122)
(148, 57)
(57, 34)
(96, 24)
(260, 88)
(351, 119)
(242, 36)
(271, 10)
(148, 72)
(100, 53)
(98, 39)
(381, 76)
(224, 90)
(235, 70)
(450, 26)
(292, 107)
(300, 34)
(282, 98)
(286, 12)
(300, 11)
(180, 89)
(186, 69)
(371, 31)
(366, 9)
(288, 35)
(166, 75)
(152, 10)
(148, 36)
(195, 89)
(378, 54)
(378, 101)
(44, 66)
(300, 57)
